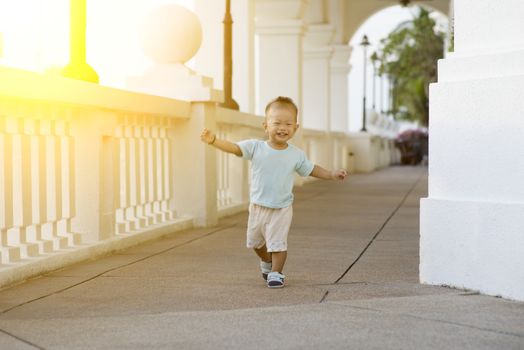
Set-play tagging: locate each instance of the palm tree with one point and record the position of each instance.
(409, 55)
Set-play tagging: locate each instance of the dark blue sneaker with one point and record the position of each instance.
(275, 280)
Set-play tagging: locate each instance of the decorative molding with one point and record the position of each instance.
(279, 27)
(340, 59)
(324, 52)
(319, 35)
(341, 54)
(280, 9)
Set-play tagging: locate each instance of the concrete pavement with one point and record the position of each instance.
(352, 283)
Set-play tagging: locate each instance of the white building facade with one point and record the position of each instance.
(472, 223)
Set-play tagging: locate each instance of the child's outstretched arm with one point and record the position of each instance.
(325, 174)
(211, 139)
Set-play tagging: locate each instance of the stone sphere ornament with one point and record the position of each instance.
(171, 34)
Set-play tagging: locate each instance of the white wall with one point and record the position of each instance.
(316, 89)
(472, 221)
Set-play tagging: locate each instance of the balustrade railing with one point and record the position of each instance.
(80, 165)
(36, 178)
(86, 170)
(233, 172)
(143, 172)
(224, 196)
(330, 150)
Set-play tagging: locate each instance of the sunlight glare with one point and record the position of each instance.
(35, 33)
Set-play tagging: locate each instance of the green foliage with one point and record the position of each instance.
(451, 46)
(408, 56)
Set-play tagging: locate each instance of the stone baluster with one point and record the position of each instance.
(279, 28)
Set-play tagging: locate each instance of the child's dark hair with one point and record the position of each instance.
(282, 100)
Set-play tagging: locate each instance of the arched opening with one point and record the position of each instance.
(377, 89)
(357, 13)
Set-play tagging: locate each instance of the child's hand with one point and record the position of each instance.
(208, 137)
(339, 174)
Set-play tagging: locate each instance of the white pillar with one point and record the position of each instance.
(472, 220)
(340, 68)
(316, 84)
(279, 30)
(243, 12)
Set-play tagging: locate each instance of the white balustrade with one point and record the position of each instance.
(357, 152)
(233, 172)
(36, 179)
(142, 148)
(330, 150)
(224, 197)
(86, 170)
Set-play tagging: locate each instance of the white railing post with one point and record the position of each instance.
(194, 180)
(93, 169)
(9, 253)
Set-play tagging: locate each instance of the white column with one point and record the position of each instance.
(279, 30)
(316, 82)
(472, 220)
(243, 12)
(340, 68)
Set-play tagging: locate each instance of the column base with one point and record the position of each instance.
(473, 245)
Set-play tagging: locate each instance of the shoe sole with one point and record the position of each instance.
(275, 285)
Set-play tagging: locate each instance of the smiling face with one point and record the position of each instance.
(280, 124)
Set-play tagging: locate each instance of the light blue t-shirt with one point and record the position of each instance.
(272, 172)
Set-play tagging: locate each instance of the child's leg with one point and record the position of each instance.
(255, 236)
(278, 259)
(276, 237)
(263, 254)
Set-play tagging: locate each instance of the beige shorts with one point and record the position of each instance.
(268, 226)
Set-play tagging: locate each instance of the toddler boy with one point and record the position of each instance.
(273, 164)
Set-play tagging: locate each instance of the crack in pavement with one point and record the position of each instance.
(378, 232)
(518, 335)
(22, 340)
(324, 297)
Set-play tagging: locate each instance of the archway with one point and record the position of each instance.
(356, 13)
(377, 26)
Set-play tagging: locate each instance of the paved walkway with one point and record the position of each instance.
(352, 276)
